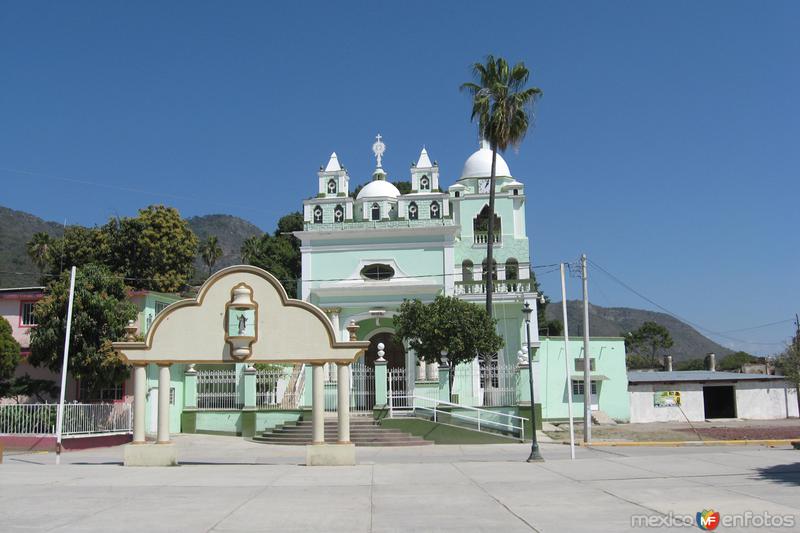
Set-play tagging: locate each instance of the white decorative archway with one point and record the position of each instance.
(241, 314)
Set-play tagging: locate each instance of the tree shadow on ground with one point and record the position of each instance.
(788, 473)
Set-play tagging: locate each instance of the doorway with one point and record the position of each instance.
(395, 353)
(719, 401)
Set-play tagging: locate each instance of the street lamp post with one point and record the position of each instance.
(535, 456)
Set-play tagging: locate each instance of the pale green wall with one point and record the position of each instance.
(175, 410)
(609, 354)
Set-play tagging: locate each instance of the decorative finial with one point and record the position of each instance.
(381, 353)
(378, 148)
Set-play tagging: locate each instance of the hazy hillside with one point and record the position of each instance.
(231, 232)
(612, 321)
(16, 229)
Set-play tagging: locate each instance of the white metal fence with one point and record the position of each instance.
(279, 388)
(362, 391)
(398, 385)
(492, 385)
(79, 418)
(218, 389)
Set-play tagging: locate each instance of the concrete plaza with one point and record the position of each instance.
(229, 484)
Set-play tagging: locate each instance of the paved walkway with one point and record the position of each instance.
(227, 484)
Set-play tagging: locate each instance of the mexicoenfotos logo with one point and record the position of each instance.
(707, 519)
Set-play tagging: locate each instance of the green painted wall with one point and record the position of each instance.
(609, 355)
(444, 433)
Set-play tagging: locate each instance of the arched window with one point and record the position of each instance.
(413, 211)
(458, 194)
(512, 274)
(338, 214)
(485, 273)
(480, 226)
(467, 269)
(318, 215)
(512, 269)
(424, 183)
(435, 210)
(376, 212)
(331, 186)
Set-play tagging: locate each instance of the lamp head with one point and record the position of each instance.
(526, 310)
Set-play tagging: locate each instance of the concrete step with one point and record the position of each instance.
(363, 432)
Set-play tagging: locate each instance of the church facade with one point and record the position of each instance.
(364, 253)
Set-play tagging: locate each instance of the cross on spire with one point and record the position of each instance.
(378, 148)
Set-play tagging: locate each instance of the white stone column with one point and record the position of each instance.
(343, 403)
(163, 403)
(139, 402)
(317, 404)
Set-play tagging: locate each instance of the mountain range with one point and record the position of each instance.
(17, 270)
(688, 343)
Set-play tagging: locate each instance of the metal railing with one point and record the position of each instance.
(79, 418)
(501, 286)
(490, 385)
(277, 388)
(482, 237)
(376, 224)
(475, 418)
(218, 389)
(362, 391)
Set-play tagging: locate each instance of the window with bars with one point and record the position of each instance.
(577, 388)
(27, 317)
(105, 394)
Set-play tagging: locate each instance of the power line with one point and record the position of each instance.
(679, 317)
(441, 275)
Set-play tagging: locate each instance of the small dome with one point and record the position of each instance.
(479, 165)
(378, 189)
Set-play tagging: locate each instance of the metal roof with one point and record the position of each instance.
(696, 375)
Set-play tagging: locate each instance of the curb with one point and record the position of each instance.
(755, 442)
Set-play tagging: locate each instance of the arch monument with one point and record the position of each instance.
(241, 314)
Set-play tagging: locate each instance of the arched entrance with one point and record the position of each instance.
(395, 353)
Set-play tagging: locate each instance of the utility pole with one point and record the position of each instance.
(587, 377)
(567, 362)
(60, 413)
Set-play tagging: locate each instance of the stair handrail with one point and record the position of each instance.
(435, 410)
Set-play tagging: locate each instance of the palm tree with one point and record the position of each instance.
(39, 250)
(210, 252)
(503, 108)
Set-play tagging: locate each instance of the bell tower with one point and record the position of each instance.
(333, 179)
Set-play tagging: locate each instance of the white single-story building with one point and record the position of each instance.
(706, 394)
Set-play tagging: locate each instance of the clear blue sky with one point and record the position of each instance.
(665, 147)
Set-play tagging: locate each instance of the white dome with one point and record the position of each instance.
(479, 165)
(378, 189)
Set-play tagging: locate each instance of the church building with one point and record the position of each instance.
(362, 256)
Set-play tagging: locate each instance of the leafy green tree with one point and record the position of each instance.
(278, 254)
(736, 361)
(463, 329)
(691, 364)
(503, 107)
(154, 250)
(649, 343)
(100, 312)
(210, 251)
(79, 246)
(9, 352)
(40, 249)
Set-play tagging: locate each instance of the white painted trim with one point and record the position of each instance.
(376, 246)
